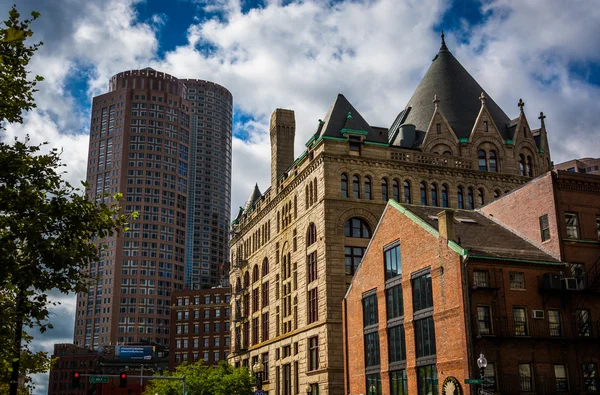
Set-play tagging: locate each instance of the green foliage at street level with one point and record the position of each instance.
(223, 379)
(15, 87)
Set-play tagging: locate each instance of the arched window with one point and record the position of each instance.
(423, 194)
(407, 198)
(316, 192)
(460, 197)
(396, 190)
(522, 164)
(480, 197)
(447, 153)
(368, 188)
(311, 234)
(496, 194)
(384, 190)
(493, 162)
(255, 274)
(265, 267)
(445, 196)
(355, 187)
(246, 280)
(529, 166)
(357, 227)
(238, 285)
(482, 160)
(344, 186)
(311, 197)
(470, 204)
(434, 195)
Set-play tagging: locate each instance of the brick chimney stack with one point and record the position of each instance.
(283, 131)
(446, 224)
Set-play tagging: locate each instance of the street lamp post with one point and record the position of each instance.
(482, 363)
(257, 369)
(308, 389)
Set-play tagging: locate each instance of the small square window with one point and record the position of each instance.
(517, 280)
(481, 278)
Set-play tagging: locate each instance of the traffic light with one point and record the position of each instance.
(75, 378)
(123, 380)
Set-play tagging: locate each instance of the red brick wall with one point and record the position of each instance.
(419, 249)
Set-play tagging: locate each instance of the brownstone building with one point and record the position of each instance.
(70, 358)
(200, 325)
(295, 246)
(517, 280)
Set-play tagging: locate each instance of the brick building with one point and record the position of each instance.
(69, 359)
(200, 325)
(295, 246)
(517, 280)
(583, 165)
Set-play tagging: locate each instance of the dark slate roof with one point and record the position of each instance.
(254, 196)
(337, 116)
(458, 93)
(484, 237)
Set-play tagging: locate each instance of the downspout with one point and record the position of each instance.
(345, 348)
(466, 297)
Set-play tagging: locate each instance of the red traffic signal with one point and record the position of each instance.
(75, 379)
(123, 380)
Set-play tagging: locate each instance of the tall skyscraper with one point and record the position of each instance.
(144, 136)
(210, 183)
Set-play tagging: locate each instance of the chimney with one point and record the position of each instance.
(283, 130)
(446, 224)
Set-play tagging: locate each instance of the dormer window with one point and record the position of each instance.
(438, 128)
(354, 143)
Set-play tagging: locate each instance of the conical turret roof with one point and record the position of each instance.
(458, 93)
(254, 196)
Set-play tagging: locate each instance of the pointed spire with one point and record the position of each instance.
(436, 101)
(443, 47)
(541, 118)
(521, 104)
(483, 99)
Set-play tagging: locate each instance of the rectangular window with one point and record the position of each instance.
(422, 292)
(427, 380)
(525, 377)
(353, 257)
(370, 310)
(397, 344)
(544, 227)
(598, 227)
(572, 222)
(590, 377)
(255, 300)
(311, 264)
(398, 382)
(554, 324)
(520, 318)
(582, 318)
(265, 361)
(394, 302)
(372, 349)
(490, 375)
(313, 353)
(393, 264)
(287, 379)
(425, 337)
(255, 331)
(517, 280)
(481, 278)
(265, 294)
(484, 320)
(373, 384)
(313, 305)
(560, 375)
(265, 326)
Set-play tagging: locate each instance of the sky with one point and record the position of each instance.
(299, 55)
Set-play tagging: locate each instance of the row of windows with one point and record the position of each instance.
(427, 382)
(437, 196)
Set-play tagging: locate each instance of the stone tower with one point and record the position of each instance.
(283, 130)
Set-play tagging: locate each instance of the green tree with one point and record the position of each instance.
(50, 232)
(223, 379)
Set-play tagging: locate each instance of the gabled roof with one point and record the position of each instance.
(482, 237)
(458, 93)
(254, 196)
(337, 117)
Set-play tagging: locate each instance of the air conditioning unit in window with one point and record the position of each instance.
(538, 314)
(569, 283)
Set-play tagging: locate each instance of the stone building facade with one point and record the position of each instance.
(295, 246)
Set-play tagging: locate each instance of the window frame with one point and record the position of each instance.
(575, 226)
(544, 227)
